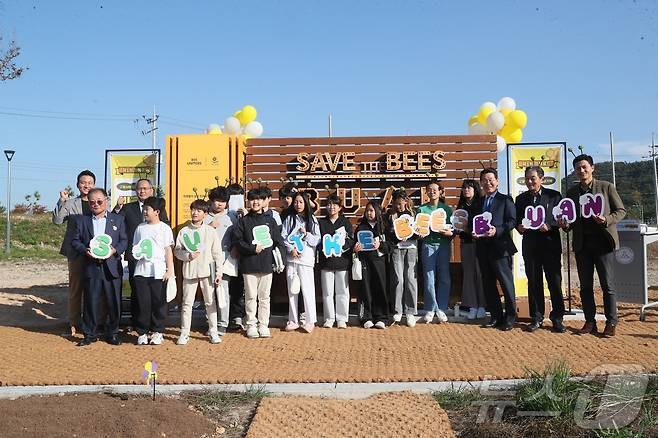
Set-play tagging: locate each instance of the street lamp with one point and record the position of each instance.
(9, 154)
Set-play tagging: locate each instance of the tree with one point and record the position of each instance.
(8, 68)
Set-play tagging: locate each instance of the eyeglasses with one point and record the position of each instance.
(99, 202)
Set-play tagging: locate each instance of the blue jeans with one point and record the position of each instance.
(436, 271)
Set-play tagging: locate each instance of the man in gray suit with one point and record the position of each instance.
(594, 241)
(66, 208)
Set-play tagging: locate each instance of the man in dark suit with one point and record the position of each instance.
(542, 251)
(495, 250)
(102, 272)
(132, 211)
(595, 240)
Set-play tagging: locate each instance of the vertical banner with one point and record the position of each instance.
(197, 163)
(125, 167)
(549, 158)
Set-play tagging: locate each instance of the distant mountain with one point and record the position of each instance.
(635, 184)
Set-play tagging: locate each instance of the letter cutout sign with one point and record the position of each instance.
(459, 219)
(482, 224)
(403, 227)
(262, 236)
(535, 216)
(143, 250)
(192, 240)
(100, 247)
(331, 245)
(565, 209)
(296, 239)
(366, 239)
(439, 220)
(422, 226)
(591, 205)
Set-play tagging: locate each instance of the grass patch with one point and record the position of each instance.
(457, 398)
(222, 401)
(550, 390)
(32, 237)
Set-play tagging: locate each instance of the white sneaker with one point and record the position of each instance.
(428, 317)
(341, 325)
(143, 339)
(156, 338)
(252, 332)
(368, 324)
(411, 320)
(442, 316)
(183, 339)
(264, 332)
(328, 323)
(215, 339)
(380, 325)
(397, 317)
(473, 313)
(482, 312)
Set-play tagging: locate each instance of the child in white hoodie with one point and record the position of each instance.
(301, 235)
(198, 246)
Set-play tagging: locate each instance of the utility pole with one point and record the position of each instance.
(612, 159)
(655, 176)
(331, 128)
(152, 121)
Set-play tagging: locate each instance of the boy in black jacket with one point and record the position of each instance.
(256, 236)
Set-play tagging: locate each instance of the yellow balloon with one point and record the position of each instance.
(472, 121)
(237, 113)
(505, 131)
(249, 114)
(214, 131)
(517, 119)
(483, 113)
(505, 112)
(514, 137)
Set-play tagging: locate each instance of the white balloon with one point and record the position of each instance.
(477, 129)
(214, 128)
(232, 126)
(253, 129)
(506, 103)
(488, 105)
(495, 121)
(500, 144)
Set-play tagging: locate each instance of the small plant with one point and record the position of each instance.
(551, 390)
(457, 398)
(223, 401)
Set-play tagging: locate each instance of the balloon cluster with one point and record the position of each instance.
(242, 122)
(503, 119)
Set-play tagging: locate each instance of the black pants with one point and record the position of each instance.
(497, 268)
(134, 310)
(536, 264)
(236, 297)
(373, 298)
(595, 255)
(151, 298)
(101, 288)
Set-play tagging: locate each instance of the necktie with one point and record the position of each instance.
(487, 204)
(535, 199)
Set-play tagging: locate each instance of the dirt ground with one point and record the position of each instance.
(392, 414)
(33, 314)
(99, 415)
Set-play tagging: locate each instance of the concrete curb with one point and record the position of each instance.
(328, 390)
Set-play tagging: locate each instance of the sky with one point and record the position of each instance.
(580, 70)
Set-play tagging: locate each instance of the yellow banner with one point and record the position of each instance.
(197, 163)
(549, 159)
(126, 169)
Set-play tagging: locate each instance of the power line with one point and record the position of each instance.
(64, 112)
(44, 116)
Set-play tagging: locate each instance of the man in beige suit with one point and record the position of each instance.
(594, 241)
(66, 209)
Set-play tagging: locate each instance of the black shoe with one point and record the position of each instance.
(87, 340)
(536, 325)
(493, 323)
(558, 326)
(114, 340)
(506, 326)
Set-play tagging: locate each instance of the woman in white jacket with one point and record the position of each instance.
(301, 235)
